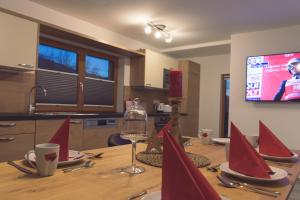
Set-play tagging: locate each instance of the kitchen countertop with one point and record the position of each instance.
(45, 116)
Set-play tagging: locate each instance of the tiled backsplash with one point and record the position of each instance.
(146, 96)
(14, 88)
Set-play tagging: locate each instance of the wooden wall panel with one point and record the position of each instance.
(191, 91)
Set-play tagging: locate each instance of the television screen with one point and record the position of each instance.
(273, 77)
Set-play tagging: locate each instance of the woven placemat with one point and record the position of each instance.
(155, 159)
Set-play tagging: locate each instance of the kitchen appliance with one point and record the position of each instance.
(160, 107)
(99, 122)
(167, 108)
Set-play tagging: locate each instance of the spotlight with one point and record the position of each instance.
(168, 39)
(148, 29)
(157, 34)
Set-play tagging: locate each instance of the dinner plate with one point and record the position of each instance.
(221, 140)
(292, 158)
(278, 175)
(74, 157)
(157, 196)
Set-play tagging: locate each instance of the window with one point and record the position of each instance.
(98, 81)
(53, 58)
(98, 67)
(76, 79)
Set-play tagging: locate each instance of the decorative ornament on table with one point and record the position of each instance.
(175, 98)
(153, 153)
(154, 142)
(175, 129)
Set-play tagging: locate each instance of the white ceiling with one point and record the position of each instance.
(190, 21)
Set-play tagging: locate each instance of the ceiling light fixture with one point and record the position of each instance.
(160, 31)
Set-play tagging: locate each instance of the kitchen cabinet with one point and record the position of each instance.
(148, 70)
(97, 131)
(191, 95)
(45, 129)
(19, 40)
(16, 139)
(97, 136)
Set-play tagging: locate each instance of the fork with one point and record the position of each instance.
(230, 184)
(20, 168)
(249, 186)
(87, 164)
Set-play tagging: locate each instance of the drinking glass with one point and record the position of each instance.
(135, 130)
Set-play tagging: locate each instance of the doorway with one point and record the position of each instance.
(224, 114)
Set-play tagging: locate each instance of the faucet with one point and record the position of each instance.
(31, 106)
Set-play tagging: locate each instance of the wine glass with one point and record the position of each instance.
(134, 129)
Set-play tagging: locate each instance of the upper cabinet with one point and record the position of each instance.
(18, 39)
(148, 70)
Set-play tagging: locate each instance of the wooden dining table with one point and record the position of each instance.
(105, 182)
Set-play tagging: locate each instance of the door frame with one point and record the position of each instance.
(222, 102)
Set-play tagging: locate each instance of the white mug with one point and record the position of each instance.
(206, 136)
(253, 140)
(46, 158)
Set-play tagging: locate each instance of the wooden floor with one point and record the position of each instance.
(295, 195)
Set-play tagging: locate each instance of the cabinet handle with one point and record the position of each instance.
(26, 65)
(148, 84)
(7, 139)
(75, 121)
(7, 125)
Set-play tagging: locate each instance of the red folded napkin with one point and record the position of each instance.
(166, 129)
(61, 137)
(269, 144)
(181, 179)
(243, 158)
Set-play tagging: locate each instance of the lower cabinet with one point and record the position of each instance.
(45, 129)
(95, 137)
(16, 139)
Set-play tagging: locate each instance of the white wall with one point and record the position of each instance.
(212, 67)
(282, 118)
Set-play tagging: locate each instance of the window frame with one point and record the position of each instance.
(81, 53)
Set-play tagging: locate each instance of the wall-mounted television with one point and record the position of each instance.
(273, 78)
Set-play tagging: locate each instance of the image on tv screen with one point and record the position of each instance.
(273, 77)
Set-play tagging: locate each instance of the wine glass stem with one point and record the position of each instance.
(133, 154)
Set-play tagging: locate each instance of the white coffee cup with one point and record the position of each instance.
(253, 140)
(227, 150)
(206, 136)
(46, 158)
